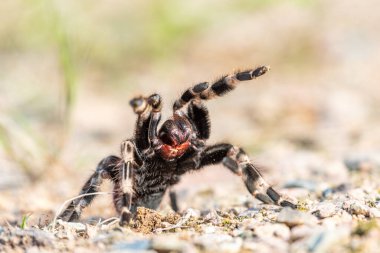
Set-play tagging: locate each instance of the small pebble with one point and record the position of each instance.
(218, 243)
(325, 241)
(237, 232)
(170, 244)
(374, 212)
(293, 217)
(135, 245)
(355, 207)
(273, 230)
(192, 213)
(249, 213)
(213, 217)
(208, 229)
(332, 190)
(231, 246)
(359, 163)
(76, 226)
(325, 210)
(302, 231)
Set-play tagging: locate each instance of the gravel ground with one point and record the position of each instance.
(330, 218)
(311, 123)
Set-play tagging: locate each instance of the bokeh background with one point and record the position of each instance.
(69, 68)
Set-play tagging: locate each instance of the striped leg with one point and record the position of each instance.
(105, 169)
(123, 183)
(238, 162)
(219, 88)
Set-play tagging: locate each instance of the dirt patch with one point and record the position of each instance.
(172, 218)
(147, 220)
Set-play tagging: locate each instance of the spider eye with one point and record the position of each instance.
(165, 138)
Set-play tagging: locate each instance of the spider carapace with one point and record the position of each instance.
(153, 161)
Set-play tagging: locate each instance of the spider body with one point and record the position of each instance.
(153, 161)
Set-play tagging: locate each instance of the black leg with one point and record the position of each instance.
(105, 169)
(155, 102)
(219, 88)
(238, 162)
(143, 110)
(148, 110)
(173, 200)
(199, 115)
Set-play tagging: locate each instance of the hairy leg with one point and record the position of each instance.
(173, 200)
(143, 110)
(219, 88)
(238, 162)
(155, 102)
(123, 182)
(148, 110)
(199, 116)
(105, 169)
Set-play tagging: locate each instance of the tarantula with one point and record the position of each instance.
(153, 161)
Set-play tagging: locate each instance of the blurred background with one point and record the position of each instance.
(69, 68)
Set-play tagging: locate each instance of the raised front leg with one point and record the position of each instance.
(238, 162)
(106, 169)
(219, 88)
(148, 110)
(155, 102)
(141, 107)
